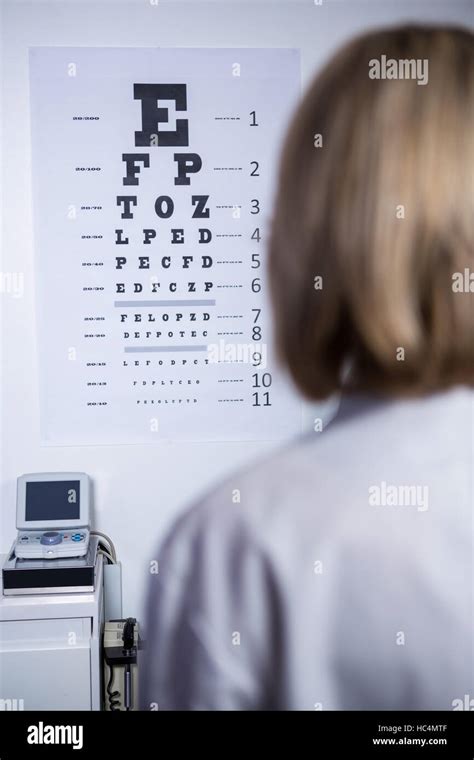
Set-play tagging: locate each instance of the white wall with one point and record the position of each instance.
(138, 489)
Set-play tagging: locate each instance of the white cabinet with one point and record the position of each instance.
(50, 650)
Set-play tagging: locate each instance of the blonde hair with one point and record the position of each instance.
(382, 213)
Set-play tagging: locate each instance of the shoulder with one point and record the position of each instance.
(320, 482)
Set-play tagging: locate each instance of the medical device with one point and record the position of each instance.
(121, 644)
(52, 515)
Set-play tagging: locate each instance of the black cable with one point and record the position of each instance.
(114, 703)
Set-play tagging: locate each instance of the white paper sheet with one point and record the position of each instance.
(153, 169)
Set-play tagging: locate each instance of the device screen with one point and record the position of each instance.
(52, 500)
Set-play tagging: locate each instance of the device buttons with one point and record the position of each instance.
(24, 539)
(50, 538)
(77, 537)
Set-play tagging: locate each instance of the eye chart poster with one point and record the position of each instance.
(153, 174)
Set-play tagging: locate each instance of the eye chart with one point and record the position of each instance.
(153, 175)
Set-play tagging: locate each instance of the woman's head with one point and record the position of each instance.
(373, 226)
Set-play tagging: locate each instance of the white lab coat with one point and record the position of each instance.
(335, 574)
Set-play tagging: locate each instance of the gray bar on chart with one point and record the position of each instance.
(165, 303)
(162, 349)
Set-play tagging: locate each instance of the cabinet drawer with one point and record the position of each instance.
(46, 663)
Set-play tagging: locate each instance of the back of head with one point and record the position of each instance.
(371, 252)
